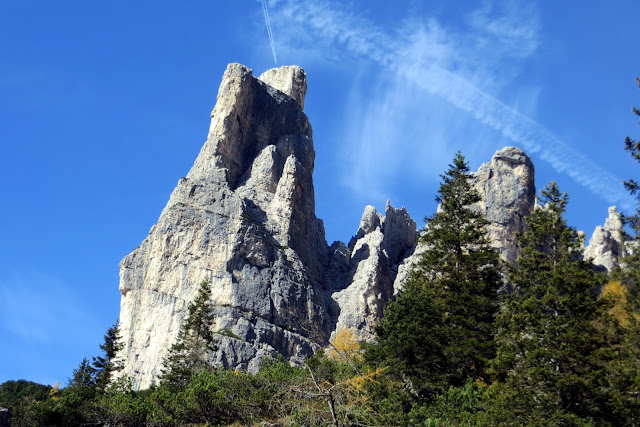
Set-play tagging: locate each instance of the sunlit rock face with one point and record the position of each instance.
(606, 245)
(507, 186)
(370, 266)
(243, 218)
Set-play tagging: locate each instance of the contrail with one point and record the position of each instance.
(267, 20)
(521, 129)
(363, 38)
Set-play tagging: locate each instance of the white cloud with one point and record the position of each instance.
(468, 66)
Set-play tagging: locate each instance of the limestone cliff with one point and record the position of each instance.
(506, 184)
(370, 267)
(244, 218)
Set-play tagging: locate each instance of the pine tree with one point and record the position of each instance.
(195, 340)
(439, 331)
(549, 363)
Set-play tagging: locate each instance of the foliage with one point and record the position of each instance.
(119, 405)
(195, 341)
(106, 365)
(439, 331)
(83, 377)
(616, 297)
(20, 397)
(217, 396)
(549, 363)
(459, 405)
(344, 346)
(14, 393)
(623, 328)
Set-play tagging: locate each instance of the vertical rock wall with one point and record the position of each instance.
(506, 184)
(243, 218)
(370, 265)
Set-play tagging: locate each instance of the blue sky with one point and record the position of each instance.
(105, 105)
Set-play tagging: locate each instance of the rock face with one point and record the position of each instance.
(506, 184)
(371, 264)
(243, 218)
(607, 243)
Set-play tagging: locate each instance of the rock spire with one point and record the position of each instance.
(606, 245)
(244, 219)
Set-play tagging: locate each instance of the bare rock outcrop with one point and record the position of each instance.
(372, 259)
(243, 218)
(606, 245)
(506, 184)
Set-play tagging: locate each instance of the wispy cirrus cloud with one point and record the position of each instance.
(417, 65)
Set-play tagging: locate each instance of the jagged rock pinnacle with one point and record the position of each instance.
(244, 218)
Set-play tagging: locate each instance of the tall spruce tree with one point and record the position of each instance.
(106, 365)
(439, 331)
(549, 363)
(195, 340)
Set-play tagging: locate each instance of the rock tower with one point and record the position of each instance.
(244, 219)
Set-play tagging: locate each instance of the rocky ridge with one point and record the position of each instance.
(244, 219)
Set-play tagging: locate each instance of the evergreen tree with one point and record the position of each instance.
(84, 376)
(106, 364)
(439, 331)
(630, 276)
(624, 330)
(195, 340)
(633, 147)
(549, 362)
